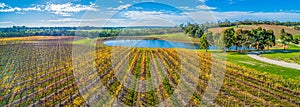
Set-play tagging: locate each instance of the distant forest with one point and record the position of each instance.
(92, 32)
(227, 23)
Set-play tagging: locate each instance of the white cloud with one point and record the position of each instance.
(137, 14)
(2, 5)
(6, 8)
(10, 9)
(203, 1)
(201, 16)
(199, 7)
(69, 8)
(66, 9)
(120, 7)
(204, 7)
(188, 8)
(32, 9)
(152, 18)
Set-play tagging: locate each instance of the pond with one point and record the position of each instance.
(163, 44)
(151, 44)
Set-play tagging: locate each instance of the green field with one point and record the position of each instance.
(297, 36)
(248, 62)
(287, 57)
(176, 37)
(86, 41)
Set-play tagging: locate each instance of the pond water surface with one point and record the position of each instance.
(151, 44)
(162, 44)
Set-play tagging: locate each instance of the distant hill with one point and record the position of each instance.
(275, 28)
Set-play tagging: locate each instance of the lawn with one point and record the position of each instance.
(176, 37)
(244, 60)
(86, 41)
(293, 47)
(297, 36)
(293, 57)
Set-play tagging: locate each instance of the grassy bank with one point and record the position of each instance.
(180, 37)
(293, 57)
(244, 60)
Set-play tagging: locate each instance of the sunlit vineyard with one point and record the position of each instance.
(49, 74)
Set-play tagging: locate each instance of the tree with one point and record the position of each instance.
(205, 40)
(195, 30)
(248, 39)
(190, 29)
(285, 38)
(270, 39)
(296, 41)
(259, 38)
(237, 38)
(228, 37)
(242, 38)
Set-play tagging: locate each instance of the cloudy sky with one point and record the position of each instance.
(141, 12)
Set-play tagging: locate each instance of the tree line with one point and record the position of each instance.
(228, 23)
(91, 32)
(297, 27)
(286, 38)
(241, 39)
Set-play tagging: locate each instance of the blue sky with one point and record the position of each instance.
(141, 12)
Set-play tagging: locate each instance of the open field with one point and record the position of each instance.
(297, 36)
(248, 62)
(293, 57)
(85, 41)
(275, 28)
(43, 74)
(36, 38)
(177, 37)
(293, 47)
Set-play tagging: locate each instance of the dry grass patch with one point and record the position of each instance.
(36, 38)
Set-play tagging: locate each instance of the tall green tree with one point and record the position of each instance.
(195, 30)
(228, 37)
(206, 40)
(242, 38)
(296, 41)
(285, 38)
(270, 39)
(237, 38)
(259, 38)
